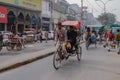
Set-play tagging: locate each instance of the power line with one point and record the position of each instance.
(92, 6)
(98, 5)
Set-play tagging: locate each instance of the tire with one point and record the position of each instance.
(9, 47)
(19, 47)
(79, 53)
(56, 60)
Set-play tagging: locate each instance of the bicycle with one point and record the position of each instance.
(14, 42)
(88, 43)
(59, 55)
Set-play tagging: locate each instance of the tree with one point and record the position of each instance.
(107, 18)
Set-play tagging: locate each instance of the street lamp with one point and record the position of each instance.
(104, 3)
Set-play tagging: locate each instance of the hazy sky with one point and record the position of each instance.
(112, 6)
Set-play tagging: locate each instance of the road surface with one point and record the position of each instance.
(96, 64)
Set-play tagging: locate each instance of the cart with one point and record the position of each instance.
(14, 42)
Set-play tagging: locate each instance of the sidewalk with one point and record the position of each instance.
(20, 60)
(5, 54)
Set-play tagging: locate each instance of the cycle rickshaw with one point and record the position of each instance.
(14, 42)
(59, 53)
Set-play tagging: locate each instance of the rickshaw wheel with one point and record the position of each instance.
(9, 47)
(19, 47)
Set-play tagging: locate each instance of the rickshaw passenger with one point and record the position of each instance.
(93, 37)
(72, 35)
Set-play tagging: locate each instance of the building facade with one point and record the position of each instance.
(21, 14)
(58, 13)
(46, 15)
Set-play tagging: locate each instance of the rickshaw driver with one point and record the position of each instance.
(61, 38)
(72, 36)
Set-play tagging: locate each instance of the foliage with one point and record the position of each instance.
(107, 18)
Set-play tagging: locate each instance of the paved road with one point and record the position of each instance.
(5, 55)
(96, 64)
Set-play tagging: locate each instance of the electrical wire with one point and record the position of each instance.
(92, 6)
(98, 5)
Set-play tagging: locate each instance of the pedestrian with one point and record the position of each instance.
(110, 38)
(40, 34)
(117, 38)
(46, 36)
(1, 38)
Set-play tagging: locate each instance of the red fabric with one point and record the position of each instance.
(3, 15)
(110, 36)
(72, 23)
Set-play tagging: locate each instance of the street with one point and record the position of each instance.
(96, 64)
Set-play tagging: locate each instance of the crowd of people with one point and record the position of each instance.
(111, 40)
(62, 36)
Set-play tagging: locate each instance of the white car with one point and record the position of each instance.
(50, 35)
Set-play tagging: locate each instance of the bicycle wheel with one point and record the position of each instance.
(9, 47)
(56, 60)
(79, 53)
(19, 47)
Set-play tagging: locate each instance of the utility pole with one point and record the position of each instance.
(82, 11)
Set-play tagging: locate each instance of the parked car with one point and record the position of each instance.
(50, 35)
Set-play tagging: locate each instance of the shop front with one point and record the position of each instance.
(20, 14)
(45, 24)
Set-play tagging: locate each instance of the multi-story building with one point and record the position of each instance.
(91, 20)
(58, 12)
(21, 14)
(46, 15)
(77, 11)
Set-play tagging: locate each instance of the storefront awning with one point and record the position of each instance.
(3, 14)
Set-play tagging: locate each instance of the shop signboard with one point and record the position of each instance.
(30, 4)
(3, 14)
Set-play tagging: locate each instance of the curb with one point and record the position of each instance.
(19, 64)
